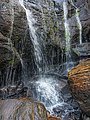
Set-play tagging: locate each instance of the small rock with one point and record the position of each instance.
(51, 117)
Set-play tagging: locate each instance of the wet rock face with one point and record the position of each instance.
(15, 91)
(24, 109)
(15, 43)
(82, 50)
(50, 25)
(84, 15)
(5, 17)
(79, 81)
(50, 30)
(13, 31)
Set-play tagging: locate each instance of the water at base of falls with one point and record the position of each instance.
(49, 90)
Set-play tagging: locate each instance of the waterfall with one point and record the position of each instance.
(37, 48)
(67, 30)
(67, 34)
(78, 22)
(48, 87)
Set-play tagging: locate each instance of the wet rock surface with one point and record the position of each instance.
(82, 50)
(15, 91)
(22, 109)
(79, 81)
(12, 31)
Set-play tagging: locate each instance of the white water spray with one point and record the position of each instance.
(47, 90)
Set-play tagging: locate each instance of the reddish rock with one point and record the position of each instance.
(79, 81)
(54, 118)
(22, 109)
(51, 117)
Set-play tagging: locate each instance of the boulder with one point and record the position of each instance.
(79, 81)
(22, 109)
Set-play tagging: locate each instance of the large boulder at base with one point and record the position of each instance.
(79, 81)
(22, 109)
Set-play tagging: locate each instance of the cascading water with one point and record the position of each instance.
(37, 48)
(67, 35)
(48, 88)
(78, 22)
(67, 30)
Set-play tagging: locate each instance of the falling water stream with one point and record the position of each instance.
(78, 22)
(47, 88)
(67, 35)
(37, 48)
